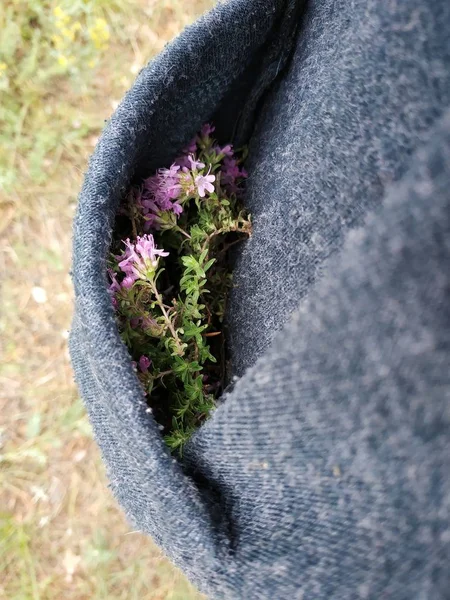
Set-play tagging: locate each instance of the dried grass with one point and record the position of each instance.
(61, 533)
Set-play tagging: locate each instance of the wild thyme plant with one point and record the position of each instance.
(170, 276)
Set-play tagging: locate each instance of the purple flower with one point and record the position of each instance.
(195, 164)
(230, 173)
(150, 326)
(115, 285)
(128, 281)
(113, 288)
(144, 363)
(148, 322)
(134, 322)
(139, 258)
(191, 148)
(230, 168)
(163, 187)
(158, 195)
(177, 208)
(151, 222)
(226, 150)
(204, 184)
(207, 129)
(148, 204)
(172, 172)
(183, 162)
(126, 261)
(146, 249)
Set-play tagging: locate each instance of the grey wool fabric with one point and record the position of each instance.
(324, 472)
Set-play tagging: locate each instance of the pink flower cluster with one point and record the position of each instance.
(138, 260)
(144, 364)
(159, 194)
(231, 173)
(165, 191)
(204, 183)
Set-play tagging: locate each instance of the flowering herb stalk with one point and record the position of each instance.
(169, 277)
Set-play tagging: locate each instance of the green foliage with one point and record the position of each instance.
(44, 45)
(173, 313)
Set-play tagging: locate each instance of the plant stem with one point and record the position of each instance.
(167, 318)
(210, 237)
(183, 232)
(228, 246)
(163, 373)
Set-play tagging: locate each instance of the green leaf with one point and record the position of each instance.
(209, 264)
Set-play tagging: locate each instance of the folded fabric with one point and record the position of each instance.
(323, 473)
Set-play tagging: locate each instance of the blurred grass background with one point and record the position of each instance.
(64, 66)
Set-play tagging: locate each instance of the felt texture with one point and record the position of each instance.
(323, 473)
(367, 81)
